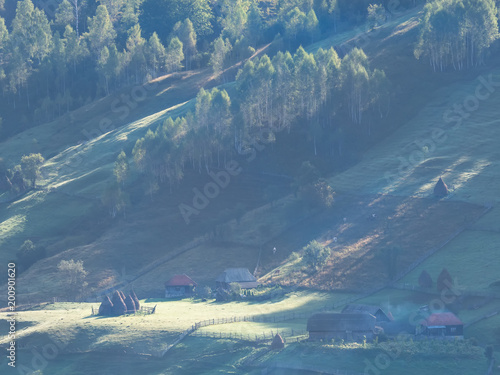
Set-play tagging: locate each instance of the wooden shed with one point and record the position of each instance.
(376, 311)
(179, 286)
(341, 326)
(241, 276)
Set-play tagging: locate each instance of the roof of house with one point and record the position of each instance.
(236, 275)
(359, 308)
(333, 322)
(442, 319)
(180, 280)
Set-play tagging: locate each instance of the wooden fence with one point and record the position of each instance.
(291, 334)
(146, 310)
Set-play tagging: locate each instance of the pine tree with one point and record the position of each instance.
(254, 23)
(136, 53)
(221, 49)
(234, 18)
(101, 32)
(175, 56)
(156, 54)
(186, 34)
(121, 168)
(64, 14)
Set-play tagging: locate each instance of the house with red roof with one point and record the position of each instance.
(443, 324)
(179, 286)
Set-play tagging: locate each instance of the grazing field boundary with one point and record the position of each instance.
(304, 367)
(464, 293)
(484, 317)
(435, 249)
(257, 338)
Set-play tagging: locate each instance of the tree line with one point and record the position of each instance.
(51, 64)
(457, 33)
(303, 93)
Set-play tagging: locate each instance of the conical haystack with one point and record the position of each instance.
(129, 302)
(106, 307)
(278, 342)
(440, 190)
(136, 300)
(425, 280)
(119, 307)
(444, 280)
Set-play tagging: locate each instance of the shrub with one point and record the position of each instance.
(315, 254)
(28, 253)
(235, 289)
(205, 292)
(73, 276)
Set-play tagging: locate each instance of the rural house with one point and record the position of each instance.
(444, 324)
(341, 326)
(179, 286)
(376, 311)
(241, 276)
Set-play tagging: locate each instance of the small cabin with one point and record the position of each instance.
(241, 276)
(444, 324)
(341, 326)
(376, 311)
(179, 286)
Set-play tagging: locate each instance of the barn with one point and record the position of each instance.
(376, 311)
(179, 286)
(341, 326)
(241, 276)
(444, 324)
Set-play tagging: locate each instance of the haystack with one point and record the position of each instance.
(425, 280)
(129, 302)
(440, 190)
(119, 307)
(106, 307)
(444, 280)
(278, 342)
(136, 300)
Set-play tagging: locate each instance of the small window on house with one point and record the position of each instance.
(453, 329)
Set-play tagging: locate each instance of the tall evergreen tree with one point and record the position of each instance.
(175, 56)
(156, 54)
(187, 35)
(101, 32)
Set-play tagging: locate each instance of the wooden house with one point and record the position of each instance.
(376, 311)
(444, 324)
(241, 276)
(341, 326)
(179, 286)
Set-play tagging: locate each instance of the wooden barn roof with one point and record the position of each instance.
(340, 322)
(180, 280)
(236, 275)
(442, 319)
(359, 308)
